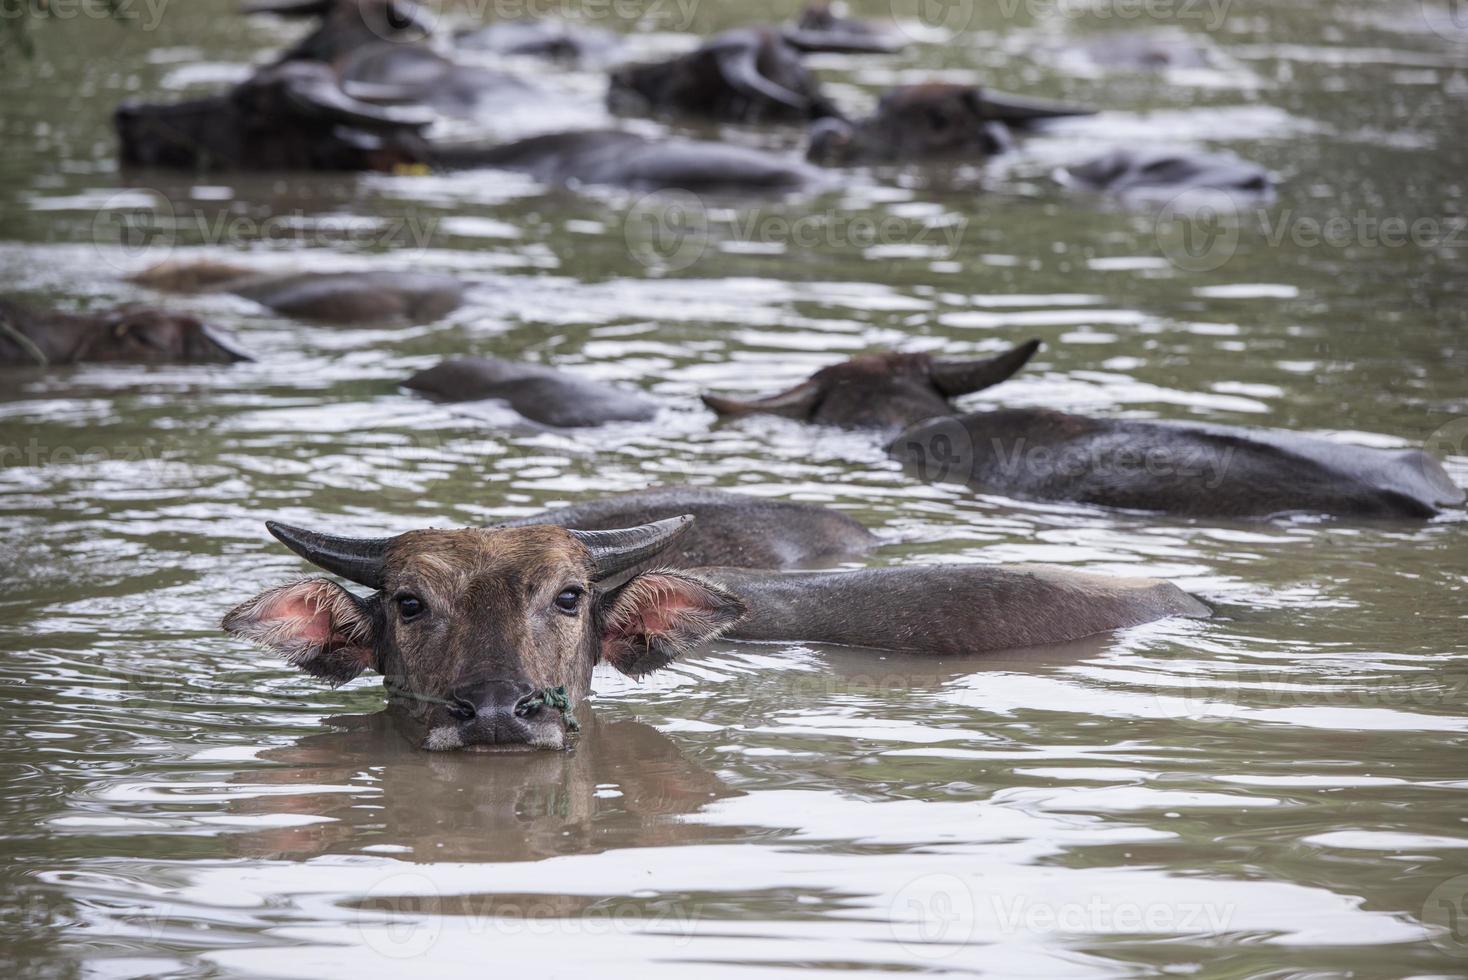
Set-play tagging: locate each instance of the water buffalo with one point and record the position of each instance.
(821, 28)
(346, 25)
(1186, 469)
(541, 394)
(1150, 172)
(749, 74)
(933, 121)
(330, 297)
(128, 334)
(730, 529)
(887, 392)
(1133, 50)
(555, 39)
(296, 117)
(292, 116)
(489, 636)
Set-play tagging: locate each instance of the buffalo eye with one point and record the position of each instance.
(569, 600)
(410, 607)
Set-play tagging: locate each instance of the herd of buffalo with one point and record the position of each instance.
(471, 628)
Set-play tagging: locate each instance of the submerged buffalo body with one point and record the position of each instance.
(555, 39)
(130, 334)
(729, 529)
(936, 121)
(820, 28)
(1151, 172)
(1177, 468)
(745, 75)
(537, 392)
(345, 26)
(330, 297)
(489, 636)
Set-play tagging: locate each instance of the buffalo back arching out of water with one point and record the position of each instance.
(330, 297)
(749, 74)
(539, 393)
(129, 334)
(934, 121)
(1150, 172)
(729, 529)
(886, 392)
(470, 628)
(1186, 469)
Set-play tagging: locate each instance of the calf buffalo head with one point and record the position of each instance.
(346, 25)
(468, 627)
(930, 122)
(744, 75)
(146, 335)
(292, 116)
(887, 391)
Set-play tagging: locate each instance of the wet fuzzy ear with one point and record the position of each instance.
(315, 624)
(658, 616)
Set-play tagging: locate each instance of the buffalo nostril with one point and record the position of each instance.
(529, 706)
(462, 710)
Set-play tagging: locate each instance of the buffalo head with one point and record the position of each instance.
(743, 75)
(128, 334)
(887, 391)
(470, 627)
(930, 122)
(346, 25)
(292, 116)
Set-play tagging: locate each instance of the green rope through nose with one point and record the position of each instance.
(547, 697)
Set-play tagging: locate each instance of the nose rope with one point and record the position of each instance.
(26, 345)
(547, 697)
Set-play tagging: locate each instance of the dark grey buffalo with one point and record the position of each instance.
(933, 121)
(541, 394)
(128, 334)
(1177, 468)
(750, 74)
(330, 297)
(295, 116)
(730, 529)
(344, 26)
(1150, 172)
(489, 636)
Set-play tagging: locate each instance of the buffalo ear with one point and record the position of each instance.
(314, 623)
(658, 616)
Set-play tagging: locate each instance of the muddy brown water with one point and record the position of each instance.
(1278, 791)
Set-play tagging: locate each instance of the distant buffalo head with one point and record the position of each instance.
(887, 391)
(744, 75)
(346, 25)
(820, 28)
(1127, 171)
(469, 626)
(126, 335)
(930, 122)
(292, 116)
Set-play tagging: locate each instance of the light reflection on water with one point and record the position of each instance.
(1276, 789)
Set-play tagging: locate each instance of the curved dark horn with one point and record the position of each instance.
(288, 8)
(1017, 109)
(319, 96)
(954, 378)
(617, 551)
(739, 64)
(358, 559)
(797, 403)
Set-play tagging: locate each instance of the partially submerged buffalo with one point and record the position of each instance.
(1137, 173)
(539, 393)
(819, 28)
(544, 38)
(128, 334)
(1187, 469)
(750, 74)
(296, 116)
(934, 121)
(488, 637)
(330, 297)
(345, 26)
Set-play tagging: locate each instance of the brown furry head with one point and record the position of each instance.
(468, 625)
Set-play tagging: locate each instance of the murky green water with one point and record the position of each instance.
(1279, 791)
